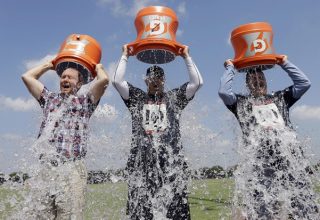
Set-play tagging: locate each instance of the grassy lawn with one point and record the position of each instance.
(8, 200)
(209, 199)
(106, 201)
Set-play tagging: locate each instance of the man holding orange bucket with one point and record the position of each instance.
(271, 175)
(156, 167)
(58, 188)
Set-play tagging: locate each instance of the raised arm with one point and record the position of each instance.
(118, 79)
(100, 84)
(195, 78)
(301, 83)
(31, 79)
(225, 91)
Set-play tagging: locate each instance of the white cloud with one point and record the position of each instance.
(112, 37)
(182, 9)
(306, 112)
(117, 7)
(229, 41)
(139, 4)
(18, 104)
(121, 8)
(179, 32)
(33, 63)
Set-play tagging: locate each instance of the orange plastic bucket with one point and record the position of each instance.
(156, 35)
(81, 52)
(252, 44)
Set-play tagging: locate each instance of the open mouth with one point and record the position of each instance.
(66, 85)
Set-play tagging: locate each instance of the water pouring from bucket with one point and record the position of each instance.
(271, 180)
(57, 185)
(156, 35)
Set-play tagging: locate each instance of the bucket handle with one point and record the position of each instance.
(281, 58)
(179, 48)
(131, 49)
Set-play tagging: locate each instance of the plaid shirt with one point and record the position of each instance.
(65, 122)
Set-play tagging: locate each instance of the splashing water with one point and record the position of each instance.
(270, 177)
(156, 56)
(272, 181)
(157, 171)
(56, 178)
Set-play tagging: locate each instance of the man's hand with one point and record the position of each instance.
(127, 51)
(185, 52)
(282, 59)
(50, 65)
(44, 67)
(99, 67)
(228, 62)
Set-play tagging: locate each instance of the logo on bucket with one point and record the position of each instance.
(76, 45)
(259, 46)
(258, 43)
(156, 27)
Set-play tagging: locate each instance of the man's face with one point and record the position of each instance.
(69, 81)
(257, 84)
(155, 84)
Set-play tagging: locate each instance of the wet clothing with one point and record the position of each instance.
(269, 111)
(65, 122)
(272, 161)
(157, 171)
(57, 190)
(156, 160)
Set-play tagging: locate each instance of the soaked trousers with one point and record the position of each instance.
(157, 185)
(57, 192)
(275, 175)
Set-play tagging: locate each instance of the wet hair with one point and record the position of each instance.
(155, 71)
(84, 73)
(254, 71)
(80, 77)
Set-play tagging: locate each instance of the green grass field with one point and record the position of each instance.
(209, 199)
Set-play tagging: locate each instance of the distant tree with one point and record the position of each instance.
(2, 178)
(18, 177)
(98, 176)
(213, 172)
(15, 177)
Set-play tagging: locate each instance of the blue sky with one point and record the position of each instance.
(32, 31)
